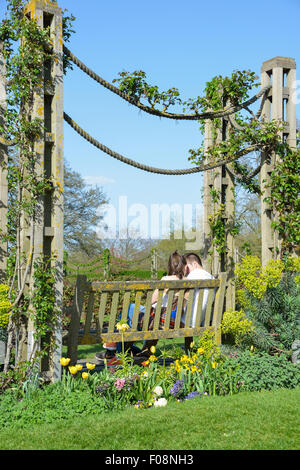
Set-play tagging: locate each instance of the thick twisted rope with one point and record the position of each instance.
(151, 169)
(207, 115)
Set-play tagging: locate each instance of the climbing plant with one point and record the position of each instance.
(26, 49)
(245, 132)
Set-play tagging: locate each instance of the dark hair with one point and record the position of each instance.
(191, 258)
(176, 265)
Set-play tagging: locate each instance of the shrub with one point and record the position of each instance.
(236, 323)
(271, 300)
(261, 371)
(5, 306)
(48, 405)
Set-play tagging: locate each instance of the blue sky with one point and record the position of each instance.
(178, 44)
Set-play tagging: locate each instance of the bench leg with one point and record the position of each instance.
(187, 343)
(218, 337)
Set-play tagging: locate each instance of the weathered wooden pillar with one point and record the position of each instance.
(3, 172)
(279, 105)
(48, 230)
(218, 193)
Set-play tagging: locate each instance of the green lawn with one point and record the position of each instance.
(88, 351)
(247, 421)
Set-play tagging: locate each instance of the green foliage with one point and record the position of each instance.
(45, 313)
(284, 197)
(134, 84)
(236, 324)
(270, 298)
(5, 306)
(261, 371)
(48, 405)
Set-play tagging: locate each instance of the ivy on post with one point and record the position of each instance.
(48, 106)
(32, 37)
(3, 171)
(280, 106)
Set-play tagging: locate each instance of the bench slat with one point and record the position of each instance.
(179, 308)
(113, 312)
(130, 335)
(210, 299)
(116, 286)
(136, 312)
(102, 308)
(199, 307)
(147, 310)
(125, 306)
(158, 310)
(171, 294)
(189, 307)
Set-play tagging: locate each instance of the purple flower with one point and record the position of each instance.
(177, 388)
(192, 395)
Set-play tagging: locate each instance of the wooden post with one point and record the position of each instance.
(218, 191)
(154, 263)
(76, 312)
(3, 172)
(279, 105)
(48, 229)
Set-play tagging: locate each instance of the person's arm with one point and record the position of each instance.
(154, 297)
(155, 293)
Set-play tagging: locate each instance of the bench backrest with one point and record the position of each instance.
(115, 298)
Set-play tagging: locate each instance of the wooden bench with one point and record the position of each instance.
(115, 297)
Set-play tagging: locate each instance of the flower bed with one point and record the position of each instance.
(205, 371)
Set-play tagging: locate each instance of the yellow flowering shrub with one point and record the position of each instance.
(236, 323)
(5, 306)
(255, 278)
(207, 345)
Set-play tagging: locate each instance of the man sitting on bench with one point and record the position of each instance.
(194, 270)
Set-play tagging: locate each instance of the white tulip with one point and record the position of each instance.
(160, 402)
(158, 391)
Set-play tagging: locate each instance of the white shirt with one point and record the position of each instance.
(193, 275)
(165, 295)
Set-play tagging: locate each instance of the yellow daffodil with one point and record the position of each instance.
(78, 366)
(152, 349)
(200, 350)
(73, 370)
(213, 364)
(122, 327)
(184, 358)
(194, 369)
(85, 375)
(64, 361)
(152, 358)
(90, 366)
(192, 344)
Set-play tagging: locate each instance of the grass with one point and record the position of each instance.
(88, 351)
(245, 421)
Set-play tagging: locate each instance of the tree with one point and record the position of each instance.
(81, 216)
